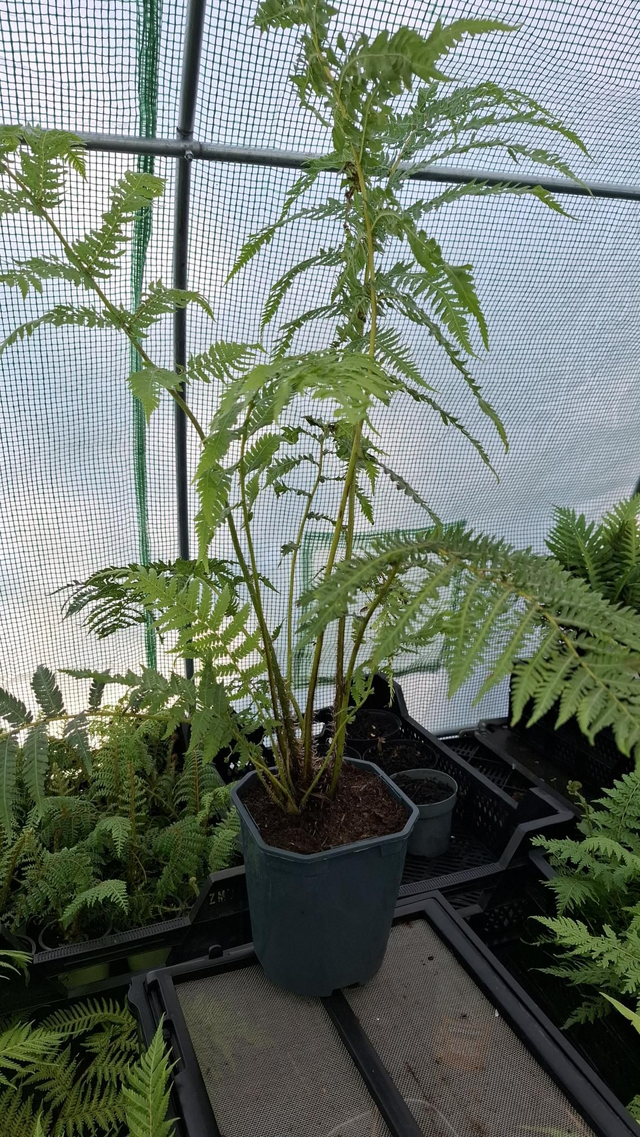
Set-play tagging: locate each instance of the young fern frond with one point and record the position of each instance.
(47, 692)
(109, 892)
(99, 250)
(63, 315)
(146, 1093)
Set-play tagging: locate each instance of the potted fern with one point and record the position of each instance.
(316, 828)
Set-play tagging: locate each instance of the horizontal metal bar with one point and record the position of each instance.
(297, 159)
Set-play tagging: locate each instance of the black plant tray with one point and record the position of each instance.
(500, 916)
(443, 1040)
(491, 828)
(560, 756)
(219, 915)
(512, 777)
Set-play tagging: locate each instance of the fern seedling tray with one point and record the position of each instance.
(442, 1041)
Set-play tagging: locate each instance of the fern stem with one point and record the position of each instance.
(337, 534)
(294, 562)
(341, 719)
(287, 742)
(343, 689)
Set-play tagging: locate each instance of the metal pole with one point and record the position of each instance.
(187, 145)
(186, 118)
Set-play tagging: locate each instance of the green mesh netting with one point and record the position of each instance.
(85, 485)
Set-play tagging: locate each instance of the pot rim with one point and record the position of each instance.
(420, 773)
(413, 814)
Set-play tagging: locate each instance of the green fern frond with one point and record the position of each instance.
(89, 1108)
(63, 315)
(13, 710)
(110, 892)
(222, 361)
(146, 1093)
(35, 765)
(31, 273)
(117, 829)
(88, 1014)
(146, 385)
(160, 301)
(47, 692)
(506, 597)
(18, 1114)
(99, 250)
(21, 1045)
(17, 961)
(8, 769)
(223, 850)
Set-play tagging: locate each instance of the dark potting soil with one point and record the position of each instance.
(423, 791)
(394, 757)
(368, 726)
(361, 807)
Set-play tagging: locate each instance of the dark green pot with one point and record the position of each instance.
(322, 921)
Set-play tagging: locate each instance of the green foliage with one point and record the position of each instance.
(606, 553)
(111, 601)
(387, 271)
(583, 649)
(47, 692)
(146, 1093)
(81, 1072)
(596, 929)
(103, 818)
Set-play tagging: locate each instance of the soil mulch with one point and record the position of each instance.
(361, 807)
(368, 726)
(423, 791)
(394, 757)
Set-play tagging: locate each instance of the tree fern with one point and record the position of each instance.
(510, 601)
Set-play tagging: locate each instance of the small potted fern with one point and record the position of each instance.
(325, 835)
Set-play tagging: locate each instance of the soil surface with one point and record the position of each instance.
(394, 757)
(423, 791)
(367, 726)
(361, 807)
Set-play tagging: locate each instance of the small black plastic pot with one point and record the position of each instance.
(387, 726)
(432, 831)
(322, 920)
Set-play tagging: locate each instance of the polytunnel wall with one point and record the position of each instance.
(85, 484)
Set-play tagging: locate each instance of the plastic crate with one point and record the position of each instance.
(441, 1040)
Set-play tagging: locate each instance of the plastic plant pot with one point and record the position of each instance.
(83, 976)
(322, 920)
(432, 832)
(384, 726)
(79, 976)
(148, 960)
